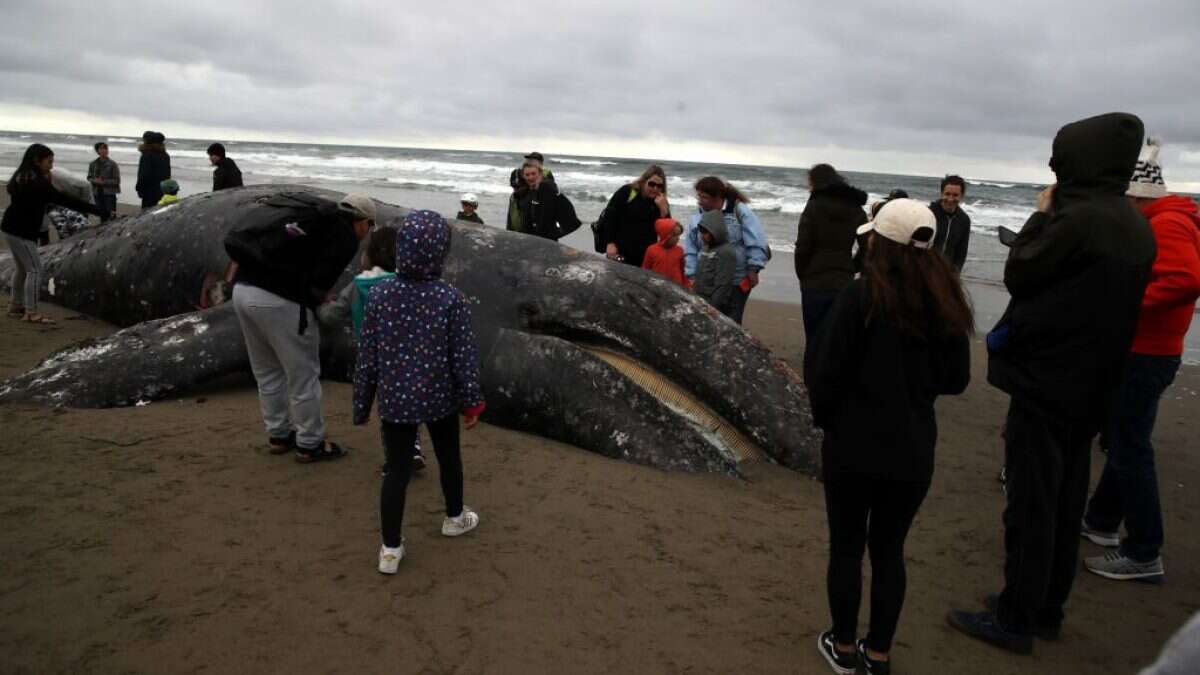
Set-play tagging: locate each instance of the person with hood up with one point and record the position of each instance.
(227, 174)
(417, 355)
(1128, 488)
(1076, 275)
(716, 275)
(30, 192)
(825, 242)
(153, 168)
(666, 257)
(744, 231)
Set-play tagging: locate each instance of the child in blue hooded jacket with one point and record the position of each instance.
(417, 355)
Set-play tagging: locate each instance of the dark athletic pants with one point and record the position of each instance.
(814, 305)
(1128, 489)
(1048, 461)
(398, 442)
(864, 511)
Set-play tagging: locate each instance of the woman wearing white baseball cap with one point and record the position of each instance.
(895, 340)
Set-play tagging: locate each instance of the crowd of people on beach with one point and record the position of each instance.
(1103, 280)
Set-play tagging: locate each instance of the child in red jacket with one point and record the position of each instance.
(666, 257)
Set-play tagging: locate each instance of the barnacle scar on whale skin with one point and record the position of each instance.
(574, 348)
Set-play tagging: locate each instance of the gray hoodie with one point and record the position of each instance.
(716, 270)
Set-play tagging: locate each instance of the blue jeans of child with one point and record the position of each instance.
(1128, 488)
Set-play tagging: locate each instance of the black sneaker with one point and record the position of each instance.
(322, 453)
(870, 665)
(1044, 630)
(841, 662)
(418, 462)
(282, 446)
(985, 626)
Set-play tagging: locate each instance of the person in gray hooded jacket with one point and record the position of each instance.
(716, 271)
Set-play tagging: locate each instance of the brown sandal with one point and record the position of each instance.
(41, 319)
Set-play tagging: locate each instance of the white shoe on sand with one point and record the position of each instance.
(389, 558)
(460, 524)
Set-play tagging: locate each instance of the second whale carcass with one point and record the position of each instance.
(574, 348)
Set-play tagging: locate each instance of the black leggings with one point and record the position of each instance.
(863, 510)
(398, 443)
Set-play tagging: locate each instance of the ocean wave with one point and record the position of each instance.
(584, 162)
(449, 185)
(972, 181)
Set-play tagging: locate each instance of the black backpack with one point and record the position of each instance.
(283, 241)
(564, 213)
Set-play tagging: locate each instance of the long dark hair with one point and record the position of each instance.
(27, 170)
(711, 185)
(917, 290)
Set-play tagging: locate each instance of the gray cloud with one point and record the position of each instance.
(940, 79)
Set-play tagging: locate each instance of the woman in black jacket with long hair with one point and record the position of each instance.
(31, 192)
(627, 224)
(895, 340)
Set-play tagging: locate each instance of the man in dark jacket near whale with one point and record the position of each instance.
(1076, 274)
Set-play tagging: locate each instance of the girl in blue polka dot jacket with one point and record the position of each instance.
(417, 355)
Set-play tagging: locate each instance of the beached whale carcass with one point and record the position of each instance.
(574, 348)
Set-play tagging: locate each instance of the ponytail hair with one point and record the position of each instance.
(712, 185)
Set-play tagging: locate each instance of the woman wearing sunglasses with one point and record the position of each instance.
(627, 223)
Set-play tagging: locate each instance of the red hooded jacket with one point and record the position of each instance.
(1170, 299)
(666, 261)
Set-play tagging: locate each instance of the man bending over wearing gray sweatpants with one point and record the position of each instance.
(282, 336)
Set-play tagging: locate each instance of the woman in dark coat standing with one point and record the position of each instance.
(895, 340)
(537, 202)
(627, 224)
(153, 168)
(31, 192)
(824, 242)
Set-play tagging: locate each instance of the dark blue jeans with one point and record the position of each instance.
(1128, 488)
(815, 304)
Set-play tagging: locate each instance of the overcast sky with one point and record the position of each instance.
(902, 87)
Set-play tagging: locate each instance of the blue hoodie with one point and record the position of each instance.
(747, 236)
(417, 351)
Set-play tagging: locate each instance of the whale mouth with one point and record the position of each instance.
(715, 428)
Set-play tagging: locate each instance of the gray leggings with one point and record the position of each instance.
(27, 275)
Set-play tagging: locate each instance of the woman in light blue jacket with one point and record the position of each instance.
(745, 233)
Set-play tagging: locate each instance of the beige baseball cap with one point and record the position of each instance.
(902, 220)
(358, 206)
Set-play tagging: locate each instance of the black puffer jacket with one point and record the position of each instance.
(825, 236)
(1076, 276)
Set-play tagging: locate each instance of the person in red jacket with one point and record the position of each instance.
(1128, 488)
(666, 256)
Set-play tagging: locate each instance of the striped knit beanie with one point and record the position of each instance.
(1147, 180)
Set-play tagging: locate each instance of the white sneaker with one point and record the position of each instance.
(461, 524)
(389, 558)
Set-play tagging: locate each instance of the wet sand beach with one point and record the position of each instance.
(164, 538)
